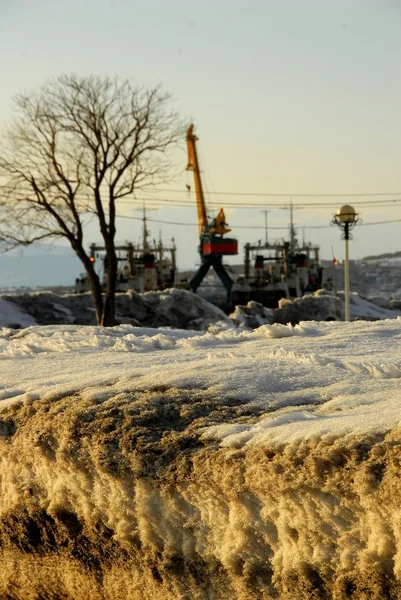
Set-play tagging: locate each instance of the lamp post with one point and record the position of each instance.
(346, 218)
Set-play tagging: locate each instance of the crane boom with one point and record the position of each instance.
(193, 165)
(213, 245)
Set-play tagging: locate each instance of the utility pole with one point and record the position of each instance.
(145, 232)
(265, 212)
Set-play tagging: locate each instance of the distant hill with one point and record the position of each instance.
(39, 266)
(380, 257)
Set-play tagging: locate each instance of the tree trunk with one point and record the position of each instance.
(96, 288)
(109, 308)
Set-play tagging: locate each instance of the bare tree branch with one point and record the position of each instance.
(73, 150)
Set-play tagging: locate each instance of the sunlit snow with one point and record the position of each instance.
(339, 377)
(236, 464)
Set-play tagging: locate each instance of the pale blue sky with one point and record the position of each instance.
(288, 96)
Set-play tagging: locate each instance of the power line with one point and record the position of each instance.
(281, 205)
(381, 222)
(288, 194)
(247, 205)
(254, 226)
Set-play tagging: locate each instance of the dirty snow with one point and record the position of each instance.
(232, 465)
(180, 309)
(340, 377)
(11, 315)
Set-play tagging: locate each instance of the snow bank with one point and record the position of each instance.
(319, 306)
(252, 315)
(181, 309)
(238, 465)
(12, 316)
(170, 308)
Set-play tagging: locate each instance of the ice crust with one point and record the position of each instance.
(237, 465)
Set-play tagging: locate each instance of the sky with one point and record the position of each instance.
(290, 100)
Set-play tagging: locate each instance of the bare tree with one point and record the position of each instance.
(75, 149)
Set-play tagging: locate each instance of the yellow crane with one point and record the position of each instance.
(213, 246)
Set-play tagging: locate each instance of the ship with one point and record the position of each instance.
(148, 266)
(285, 269)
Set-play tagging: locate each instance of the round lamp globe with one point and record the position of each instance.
(346, 214)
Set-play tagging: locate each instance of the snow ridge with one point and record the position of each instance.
(240, 465)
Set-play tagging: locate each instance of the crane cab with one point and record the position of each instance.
(216, 245)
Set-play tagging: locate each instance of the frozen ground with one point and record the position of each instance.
(237, 465)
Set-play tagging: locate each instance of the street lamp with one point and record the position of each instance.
(346, 218)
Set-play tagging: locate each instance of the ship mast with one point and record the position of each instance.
(145, 232)
(292, 230)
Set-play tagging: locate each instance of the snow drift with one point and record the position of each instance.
(243, 465)
(170, 308)
(179, 309)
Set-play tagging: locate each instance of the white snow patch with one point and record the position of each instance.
(12, 316)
